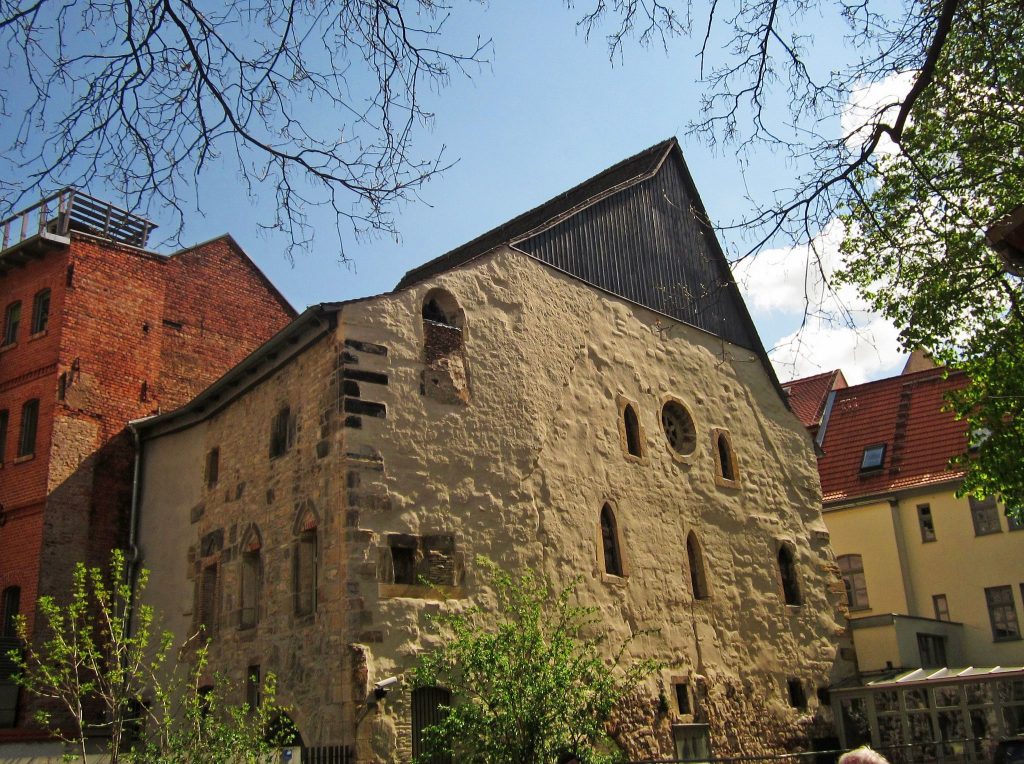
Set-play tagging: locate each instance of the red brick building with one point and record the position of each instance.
(95, 331)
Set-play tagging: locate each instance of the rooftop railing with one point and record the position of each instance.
(72, 210)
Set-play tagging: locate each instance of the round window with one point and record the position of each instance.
(679, 429)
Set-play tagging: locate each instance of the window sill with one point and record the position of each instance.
(609, 578)
(38, 335)
(928, 541)
(633, 458)
(8, 346)
(987, 533)
(1007, 639)
(23, 459)
(723, 482)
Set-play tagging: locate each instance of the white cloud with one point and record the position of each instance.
(871, 103)
(792, 287)
(867, 351)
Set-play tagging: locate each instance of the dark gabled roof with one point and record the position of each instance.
(626, 172)
(907, 415)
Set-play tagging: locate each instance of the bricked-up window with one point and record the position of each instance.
(927, 523)
(40, 311)
(10, 606)
(212, 467)
(29, 423)
(12, 317)
(788, 575)
(941, 606)
(4, 419)
(429, 706)
(430, 560)
(695, 558)
(252, 579)
(797, 694)
(207, 616)
(282, 432)
(985, 515)
(1002, 613)
(610, 542)
(305, 573)
(851, 566)
(632, 427)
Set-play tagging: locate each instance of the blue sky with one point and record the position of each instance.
(548, 112)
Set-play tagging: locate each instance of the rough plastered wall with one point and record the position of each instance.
(520, 472)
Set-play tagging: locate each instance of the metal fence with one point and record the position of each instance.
(944, 752)
(328, 754)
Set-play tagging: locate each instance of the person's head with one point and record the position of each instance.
(863, 755)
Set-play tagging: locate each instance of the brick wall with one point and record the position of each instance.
(130, 334)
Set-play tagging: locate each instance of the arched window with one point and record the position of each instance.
(787, 573)
(632, 427)
(725, 459)
(695, 558)
(610, 542)
(10, 606)
(251, 580)
(429, 706)
(40, 311)
(851, 566)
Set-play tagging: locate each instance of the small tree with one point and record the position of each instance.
(100, 667)
(530, 681)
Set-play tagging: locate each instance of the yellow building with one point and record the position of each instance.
(934, 582)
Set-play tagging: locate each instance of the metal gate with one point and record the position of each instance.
(328, 754)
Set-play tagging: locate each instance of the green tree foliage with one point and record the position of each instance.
(530, 681)
(100, 668)
(916, 232)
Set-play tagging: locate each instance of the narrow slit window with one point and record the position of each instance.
(610, 542)
(695, 558)
(632, 426)
(797, 694)
(281, 432)
(726, 471)
(212, 467)
(787, 572)
(683, 697)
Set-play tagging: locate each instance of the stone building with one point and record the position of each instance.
(96, 331)
(934, 580)
(579, 391)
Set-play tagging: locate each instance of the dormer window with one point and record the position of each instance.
(873, 457)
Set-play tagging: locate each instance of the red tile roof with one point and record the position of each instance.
(906, 414)
(807, 396)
